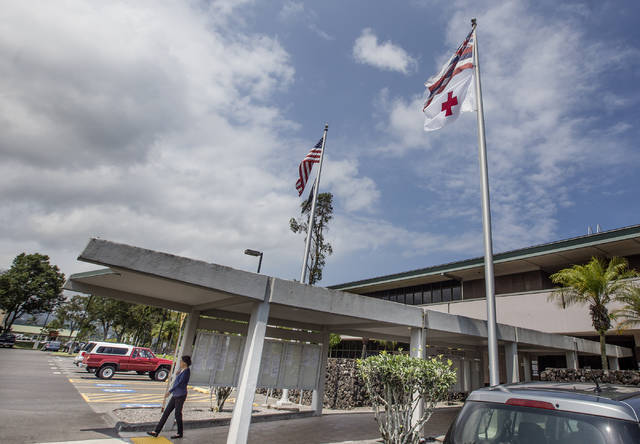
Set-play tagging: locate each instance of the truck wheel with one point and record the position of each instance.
(106, 372)
(152, 375)
(161, 374)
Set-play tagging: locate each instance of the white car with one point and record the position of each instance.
(90, 347)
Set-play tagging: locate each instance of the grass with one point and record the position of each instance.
(28, 345)
(59, 353)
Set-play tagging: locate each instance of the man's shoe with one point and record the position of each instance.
(176, 437)
(154, 434)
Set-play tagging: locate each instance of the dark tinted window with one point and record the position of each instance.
(89, 347)
(491, 423)
(111, 350)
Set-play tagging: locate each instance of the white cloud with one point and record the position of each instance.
(291, 10)
(386, 56)
(538, 89)
(151, 124)
(356, 193)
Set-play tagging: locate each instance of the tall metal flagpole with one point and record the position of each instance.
(284, 399)
(312, 214)
(494, 372)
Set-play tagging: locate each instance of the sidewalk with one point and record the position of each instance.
(333, 427)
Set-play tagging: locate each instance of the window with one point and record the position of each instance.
(417, 296)
(492, 423)
(456, 293)
(422, 294)
(426, 294)
(436, 293)
(146, 354)
(446, 294)
(112, 350)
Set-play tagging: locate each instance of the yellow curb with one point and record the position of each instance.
(199, 389)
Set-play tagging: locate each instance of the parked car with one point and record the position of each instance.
(549, 413)
(106, 359)
(51, 346)
(7, 340)
(86, 348)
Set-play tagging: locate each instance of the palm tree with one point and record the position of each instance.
(629, 315)
(596, 284)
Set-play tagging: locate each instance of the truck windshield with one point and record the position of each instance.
(492, 423)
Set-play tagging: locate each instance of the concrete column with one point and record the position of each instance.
(526, 364)
(318, 394)
(188, 336)
(572, 359)
(466, 375)
(418, 349)
(241, 419)
(511, 360)
(613, 363)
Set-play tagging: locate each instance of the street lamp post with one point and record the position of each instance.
(250, 252)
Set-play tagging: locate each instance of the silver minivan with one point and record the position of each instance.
(549, 413)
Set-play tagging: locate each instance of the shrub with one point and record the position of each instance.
(396, 383)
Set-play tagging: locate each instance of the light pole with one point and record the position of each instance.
(250, 252)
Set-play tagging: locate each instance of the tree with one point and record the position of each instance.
(71, 313)
(629, 315)
(32, 285)
(104, 310)
(52, 327)
(595, 284)
(319, 248)
(396, 383)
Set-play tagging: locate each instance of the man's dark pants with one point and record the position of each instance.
(174, 403)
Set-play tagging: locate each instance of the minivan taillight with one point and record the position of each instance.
(530, 403)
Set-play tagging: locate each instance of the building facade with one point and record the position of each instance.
(523, 288)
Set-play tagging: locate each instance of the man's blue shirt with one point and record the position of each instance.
(180, 384)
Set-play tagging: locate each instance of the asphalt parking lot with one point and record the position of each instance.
(38, 404)
(121, 391)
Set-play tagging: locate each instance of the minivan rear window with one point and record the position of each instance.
(89, 347)
(112, 350)
(493, 423)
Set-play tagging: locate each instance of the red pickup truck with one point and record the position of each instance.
(106, 360)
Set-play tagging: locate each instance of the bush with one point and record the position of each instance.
(396, 383)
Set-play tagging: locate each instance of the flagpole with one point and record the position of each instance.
(284, 399)
(494, 372)
(312, 213)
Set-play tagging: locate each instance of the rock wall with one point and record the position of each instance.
(624, 377)
(344, 389)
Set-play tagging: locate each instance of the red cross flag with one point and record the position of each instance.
(451, 90)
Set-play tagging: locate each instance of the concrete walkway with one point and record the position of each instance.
(333, 427)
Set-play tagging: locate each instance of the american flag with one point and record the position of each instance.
(461, 60)
(305, 166)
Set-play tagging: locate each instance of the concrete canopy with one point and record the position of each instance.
(153, 278)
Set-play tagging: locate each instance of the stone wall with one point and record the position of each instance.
(344, 389)
(624, 377)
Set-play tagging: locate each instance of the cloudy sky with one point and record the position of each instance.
(179, 125)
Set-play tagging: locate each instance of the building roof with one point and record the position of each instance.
(36, 329)
(224, 294)
(549, 257)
